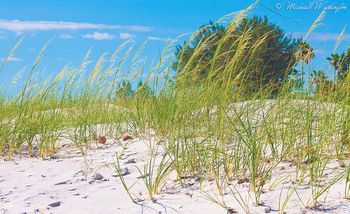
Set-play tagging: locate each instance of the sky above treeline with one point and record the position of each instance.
(73, 27)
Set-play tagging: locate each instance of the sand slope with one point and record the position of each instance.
(72, 183)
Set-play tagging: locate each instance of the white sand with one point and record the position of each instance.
(29, 185)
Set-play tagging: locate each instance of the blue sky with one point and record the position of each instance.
(75, 26)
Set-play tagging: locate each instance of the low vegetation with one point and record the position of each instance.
(212, 127)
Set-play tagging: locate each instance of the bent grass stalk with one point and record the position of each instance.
(212, 131)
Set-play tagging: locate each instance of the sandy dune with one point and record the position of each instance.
(72, 183)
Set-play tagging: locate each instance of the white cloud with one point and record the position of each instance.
(66, 36)
(11, 59)
(154, 38)
(327, 36)
(21, 26)
(322, 36)
(139, 28)
(14, 59)
(126, 36)
(98, 36)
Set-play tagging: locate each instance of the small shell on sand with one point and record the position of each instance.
(127, 137)
(102, 139)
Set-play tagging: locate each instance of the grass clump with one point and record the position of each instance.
(218, 130)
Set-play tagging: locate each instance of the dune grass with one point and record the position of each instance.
(212, 131)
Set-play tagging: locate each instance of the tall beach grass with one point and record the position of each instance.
(212, 131)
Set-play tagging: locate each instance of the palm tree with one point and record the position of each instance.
(305, 54)
(318, 76)
(344, 64)
(320, 79)
(334, 60)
